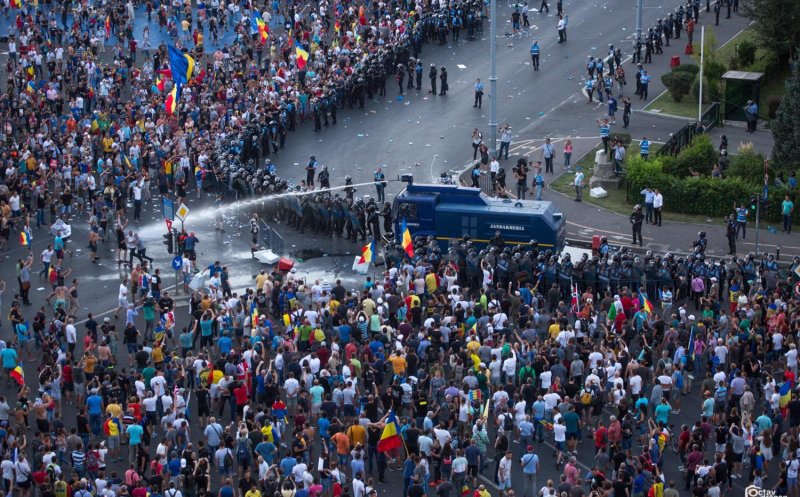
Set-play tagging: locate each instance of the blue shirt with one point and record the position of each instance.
(224, 345)
(94, 403)
(479, 87)
(529, 463)
(644, 149)
(134, 434)
(535, 49)
(741, 214)
(287, 464)
(9, 357)
(648, 196)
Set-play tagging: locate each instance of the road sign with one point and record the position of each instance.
(177, 263)
(182, 212)
(168, 209)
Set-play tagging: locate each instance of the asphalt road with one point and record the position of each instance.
(424, 135)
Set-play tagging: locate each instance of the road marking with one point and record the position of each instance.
(604, 231)
(548, 444)
(488, 481)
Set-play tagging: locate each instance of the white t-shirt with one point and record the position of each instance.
(560, 432)
(123, 292)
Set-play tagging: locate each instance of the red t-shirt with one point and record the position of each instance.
(601, 437)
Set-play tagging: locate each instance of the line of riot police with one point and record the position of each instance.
(334, 215)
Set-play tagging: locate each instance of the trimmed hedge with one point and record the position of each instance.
(704, 196)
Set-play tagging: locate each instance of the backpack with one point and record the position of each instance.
(586, 397)
(92, 462)
(679, 379)
(227, 461)
(508, 422)
(241, 448)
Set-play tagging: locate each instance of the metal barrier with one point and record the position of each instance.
(271, 238)
(681, 138)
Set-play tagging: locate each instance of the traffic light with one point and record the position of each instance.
(168, 241)
(753, 202)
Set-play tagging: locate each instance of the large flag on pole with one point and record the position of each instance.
(181, 65)
(302, 55)
(171, 103)
(407, 242)
(390, 439)
(259, 26)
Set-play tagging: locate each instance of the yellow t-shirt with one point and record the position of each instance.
(253, 493)
(357, 435)
(554, 330)
(430, 283)
(158, 355)
(398, 364)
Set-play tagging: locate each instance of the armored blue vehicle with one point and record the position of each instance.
(448, 212)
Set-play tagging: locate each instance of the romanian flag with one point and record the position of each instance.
(16, 4)
(126, 160)
(302, 55)
(25, 237)
(18, 374)
(30, 87)
(645, 304)
(260, 27)
(30, 71)
(108, 25)
(367, 253)
(95, 124)
(160, 83)
(390, 439)
(337, 25)
(171, 103)
(181, 65)
(407, 242)
(253, 315)
(786, 394)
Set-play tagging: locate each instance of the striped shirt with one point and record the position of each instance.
(78, 459)
(604, 130)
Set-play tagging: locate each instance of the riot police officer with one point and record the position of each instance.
(636, 220)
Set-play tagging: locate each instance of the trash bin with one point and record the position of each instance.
(675, 61)
(689, 49)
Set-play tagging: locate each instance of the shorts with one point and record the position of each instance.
(666, 394)
(59, 254)
(24, 484)
(472, 471)
(206, 341)
(315, 409)
(791, 482)
(504, 484)
(69, 386)
(113, 442)
(719, 448)
(80, 389)
(737, 457)
(132, 348)
(122, 303)
(349, 410)
(571, 435)
(560, 445)
(203, 410)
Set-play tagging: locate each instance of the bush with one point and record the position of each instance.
(767, 62)
(625, 138)
(772, 105)
(746, 52)
(688, 68)
(699, 156)
(678, 83)
(747, 165)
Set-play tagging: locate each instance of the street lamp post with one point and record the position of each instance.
(639, 21)
(493, 78)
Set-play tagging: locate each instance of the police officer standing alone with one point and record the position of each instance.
(535, 55)
(636, 223)
(730, 233)
(380, 185)
(478, 94)
(432, 75)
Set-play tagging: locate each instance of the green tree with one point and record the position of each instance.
(786, 126)
(775, 24)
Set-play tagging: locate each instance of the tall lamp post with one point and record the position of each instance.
(493, 78)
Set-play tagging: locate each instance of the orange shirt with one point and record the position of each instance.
(342, 443)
